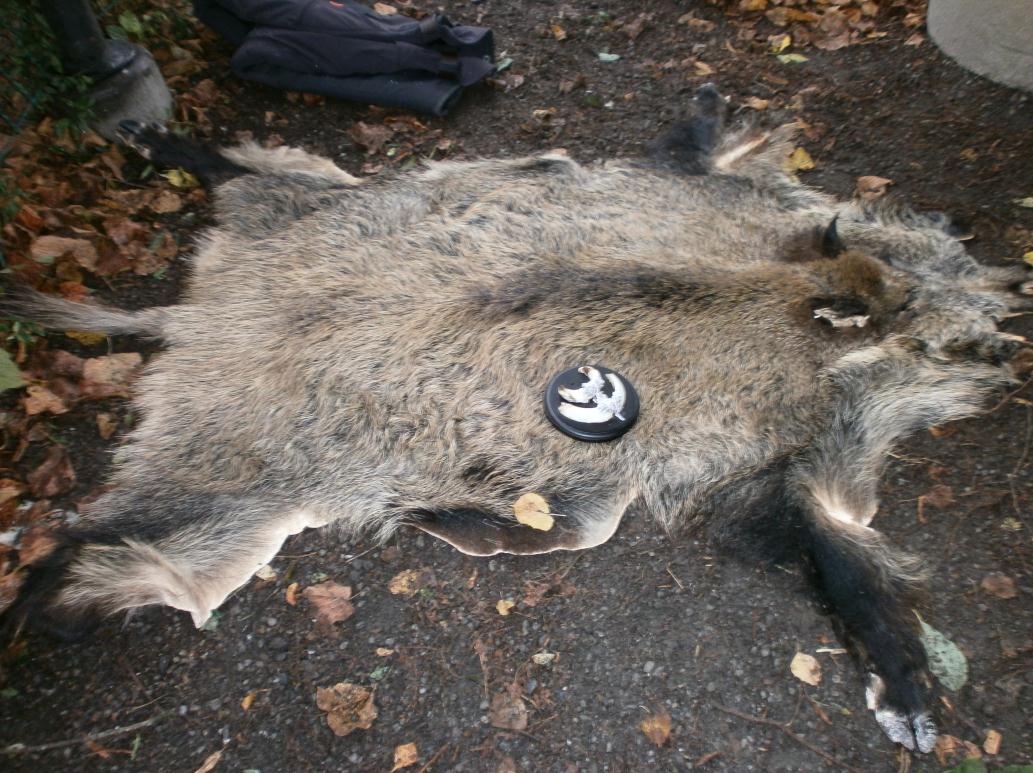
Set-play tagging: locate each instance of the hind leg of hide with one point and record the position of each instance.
(188, 551)
(172, 151)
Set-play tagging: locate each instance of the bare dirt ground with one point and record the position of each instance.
(647, 624)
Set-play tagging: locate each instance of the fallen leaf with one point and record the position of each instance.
(383, 652)
(791, 58)
(992, 744)
(702, 69)
(210, 762)
(1000, 585)
(657, 727)
(532, 510)
(10, 376)
(407, 582)
(504, 606)
(47, 248)
(939, 496)
(109, 376)
(756, 103)
(370, 136)
(753, 5)
(348, 707)
(167, 202)
(384, 9)
(915, 40)
(603, 57)
(507, 765)
(181, 178)
(331, 601)
(508, 712)
(635, 27)
(291, 596)
(799, 161)
(35, 544)
(265, 573)
(86, 337)
(405, 756)
(946, 661)
(558, 32)
(779, 43)
(1026, 202)
(10, 489)
(806, 668)
(39, 399)
(870, 187)
(248, 699)
(54, 476)
(10, 584)
(543, 658)
(1028, 257)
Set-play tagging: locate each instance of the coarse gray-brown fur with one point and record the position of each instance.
(373, 354)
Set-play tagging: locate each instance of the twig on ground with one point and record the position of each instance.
(785, 729)
(20, 748)
(433, 759)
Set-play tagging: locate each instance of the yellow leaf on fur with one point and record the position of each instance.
(799, 160)
(532, 510)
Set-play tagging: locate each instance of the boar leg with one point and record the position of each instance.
(186, 550)
(689, 145)
(167, 150)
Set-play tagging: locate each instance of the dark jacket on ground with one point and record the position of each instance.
(344, 49)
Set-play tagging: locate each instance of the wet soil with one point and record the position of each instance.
(646, 623)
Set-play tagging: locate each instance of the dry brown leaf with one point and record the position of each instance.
(947, 747)
(107, 423)
(870, 187)
(10, 584)
(806, 668)
(331, 600)
(167, 202)
(384, 9)
(35, 544)
(10, 489)
(54, 476)
(558, 32)
(1000, 585)
(46, 248)
(248, 700)
(39, 399)
(757, 103)
(508, 712)
(702, 69)
(348, 707)
(407, 582)
(939, 496)
(109, 376)
(635, 27)
(370, 136)
(405, 756)
(504, 606)
(210, 762)
(753, 5)
(657, 727)
(992, 744)
(532, 510)
(291, 596)
(383, 652)
(507, 765)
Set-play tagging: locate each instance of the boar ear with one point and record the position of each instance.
(831, 245)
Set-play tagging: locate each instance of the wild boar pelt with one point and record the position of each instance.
(373, 353)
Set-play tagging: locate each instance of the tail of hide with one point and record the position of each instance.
(60, 314)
